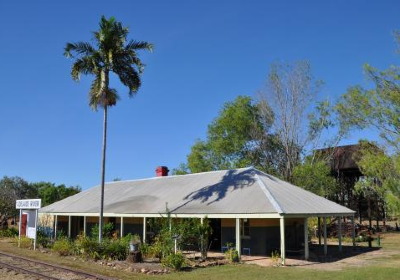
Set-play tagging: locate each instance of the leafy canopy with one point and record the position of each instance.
(315, 176)
(237, 137)
(378, 108)
(112, 52)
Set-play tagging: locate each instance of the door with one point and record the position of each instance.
(24, 221)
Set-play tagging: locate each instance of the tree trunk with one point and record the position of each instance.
(359, 209)
(103, 172)
(383, 214)
(369, 213)
(377, 213)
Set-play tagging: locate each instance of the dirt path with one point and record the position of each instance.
(387, 255)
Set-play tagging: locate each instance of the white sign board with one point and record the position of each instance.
(31, 232)
(29, 207)
(28, 204)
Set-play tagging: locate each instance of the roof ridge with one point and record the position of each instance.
(174, 176)
(269, 195)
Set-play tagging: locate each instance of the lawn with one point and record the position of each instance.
(385, 264)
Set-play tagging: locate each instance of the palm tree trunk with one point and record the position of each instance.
(103, 172)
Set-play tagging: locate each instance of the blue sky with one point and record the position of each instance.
(206, 53)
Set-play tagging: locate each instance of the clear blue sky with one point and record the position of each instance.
(206, 53)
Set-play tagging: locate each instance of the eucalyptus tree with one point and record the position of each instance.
(111, 52)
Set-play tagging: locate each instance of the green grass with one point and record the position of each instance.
(386, 266)
(255, 272)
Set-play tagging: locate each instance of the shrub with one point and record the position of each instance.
(232, 255)
(135, 239)
(43, 239)
(108, 249)
(9, 232)
(163, 245)
(64, 247)
(107, 231)
(175, 261)
(116, 249)
(363, 238)
(86, 246)
(145, 249)
(25, 242)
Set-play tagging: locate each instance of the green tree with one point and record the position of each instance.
(182, 169)
(50, 193)
(237, 137)
(377, 107)
(113, 53)
(381, 181)
(315, 176)
(11, 189)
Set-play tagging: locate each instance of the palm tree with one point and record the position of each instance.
(111, 53)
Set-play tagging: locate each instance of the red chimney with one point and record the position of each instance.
(162, 171)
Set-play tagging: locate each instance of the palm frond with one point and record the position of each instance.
(94, 92)
(84, 65)
(127, 58)
(139, 45)
(130, 78)
(79, 48)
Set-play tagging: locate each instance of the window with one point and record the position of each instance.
(245, 227)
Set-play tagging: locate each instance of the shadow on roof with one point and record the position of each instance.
(230, 182)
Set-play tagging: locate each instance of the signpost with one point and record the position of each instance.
(30, 209)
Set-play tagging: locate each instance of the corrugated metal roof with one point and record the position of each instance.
(238, 191)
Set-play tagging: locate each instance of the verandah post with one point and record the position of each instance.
(238, 241)
(306, 249)
(340, 233)
(282, 229)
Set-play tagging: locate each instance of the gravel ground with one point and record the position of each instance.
(10, 274)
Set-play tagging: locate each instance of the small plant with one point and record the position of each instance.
(275, 258)
(135, 239)
(145, 249)
(63, 247)
(231, 255)
(174, 261)
(25, 242)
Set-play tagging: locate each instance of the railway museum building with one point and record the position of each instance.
(256, 212)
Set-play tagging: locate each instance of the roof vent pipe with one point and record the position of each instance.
(162, 171)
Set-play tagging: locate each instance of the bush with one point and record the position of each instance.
(107, 249)
(86, 246)
(232, 255)
(9, 232)
(25, 242)
(116, 250)
(43, 239)
(363, 238)
(145, 249)
(108, 230)
(64, 247)
(175, 261)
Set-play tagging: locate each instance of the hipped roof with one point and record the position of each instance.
(237, 191)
